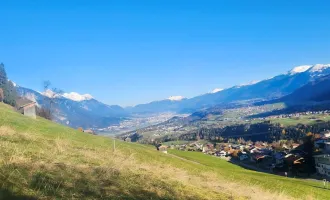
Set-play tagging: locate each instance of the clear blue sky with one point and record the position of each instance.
(130, 52)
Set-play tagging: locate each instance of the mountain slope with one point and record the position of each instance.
(88, 113)
(275, 87)
(272, 88)
(43, 160)
(317, 90)
(157, 106)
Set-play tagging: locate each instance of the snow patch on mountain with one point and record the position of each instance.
(175, 98)
(77, 97)
(310, 68)
(49, 93)
(14, 84)
(253, 82)
(299, 69)
(74, 96)
(319, 67)
(216, 90)
(246, 84)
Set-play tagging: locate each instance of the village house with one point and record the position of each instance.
(294, 160)
(326, 134)
(162, 148)
(242, 147)
(207, 148)
(322, 164)
(235, 146)
(26, 107)
(284, 146)
(255, 150)
(223, 153)
(182, 147)
(195, 147)
(90, 131)
(128, 139)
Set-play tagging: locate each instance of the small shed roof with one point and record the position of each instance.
(162, 148)
(22, 102)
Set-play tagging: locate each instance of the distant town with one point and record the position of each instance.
(285, 157)
(136, 122)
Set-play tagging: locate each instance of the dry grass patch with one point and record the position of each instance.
(6, 131)
(59, 168)
(35, 165)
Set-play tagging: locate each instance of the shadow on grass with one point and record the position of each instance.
(67, 182)
(7, 194)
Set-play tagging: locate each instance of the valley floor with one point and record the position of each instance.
(43, 160)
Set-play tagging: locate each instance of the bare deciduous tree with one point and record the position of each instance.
(50, 101)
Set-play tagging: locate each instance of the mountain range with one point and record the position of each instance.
(267, 89)
(78, 111)
(85, 111)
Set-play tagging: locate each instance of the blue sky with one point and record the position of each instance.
(130, 52)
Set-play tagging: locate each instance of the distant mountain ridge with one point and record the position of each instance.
(83, 110)
(317, 90)
(86, 113)
(267, 89)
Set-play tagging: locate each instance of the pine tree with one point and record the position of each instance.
(3, 76)
(10, 93)
(9, 90)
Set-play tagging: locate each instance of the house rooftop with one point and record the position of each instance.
(22, 102)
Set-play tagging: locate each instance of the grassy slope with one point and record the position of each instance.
(298, 188)
(304, 119)
(40, 159)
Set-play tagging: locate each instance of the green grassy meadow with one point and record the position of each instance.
(297, 188)
(304, 119)
(43, 160)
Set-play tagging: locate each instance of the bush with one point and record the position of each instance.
(44, 113)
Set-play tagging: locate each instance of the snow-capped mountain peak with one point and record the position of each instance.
(175, 98)
(319, 67)
(310, 68)
(77, 97)
(74, 96)
(299, 69)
